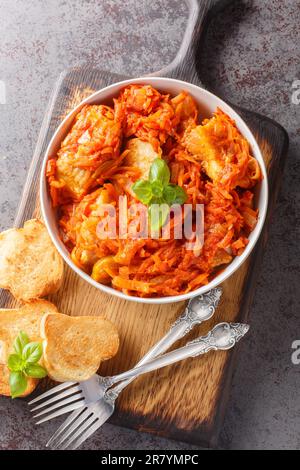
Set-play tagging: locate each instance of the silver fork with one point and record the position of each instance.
(84, 422)
(71, 396)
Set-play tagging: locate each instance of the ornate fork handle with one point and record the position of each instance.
(222, 337)
(199, 309)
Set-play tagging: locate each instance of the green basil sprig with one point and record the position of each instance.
(158, 190)
(24, 363)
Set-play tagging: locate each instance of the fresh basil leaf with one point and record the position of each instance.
(174, 194)
(32, 352)
(15, 363)
(158, 214)
(169, 194)
(20, 342)
(157, 200)
(181, 195)
(159, 171)
(17, 383)
(36, 371)
(157, 189)
(143, 190)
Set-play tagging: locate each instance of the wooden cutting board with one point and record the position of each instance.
(186, 401)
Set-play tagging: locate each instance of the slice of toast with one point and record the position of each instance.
(30, 266)
(27, 318)
(12, 321)
(74, 347)
(4, 383)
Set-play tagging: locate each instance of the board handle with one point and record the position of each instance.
(184, 65)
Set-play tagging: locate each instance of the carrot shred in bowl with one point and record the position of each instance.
(110, 147)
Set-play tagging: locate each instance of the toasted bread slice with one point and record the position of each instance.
(30, 266)
(74, 347)
(27, 319)
(4, 383)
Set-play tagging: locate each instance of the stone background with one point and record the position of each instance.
(251, 58)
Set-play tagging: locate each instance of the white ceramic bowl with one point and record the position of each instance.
(207, 103)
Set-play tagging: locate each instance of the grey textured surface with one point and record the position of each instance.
(251, 58)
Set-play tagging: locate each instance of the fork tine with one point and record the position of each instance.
(61, 403)
(52, 391)
(65, 424)
(86, 434)
(87, 424)
(76, 424)
(61, 411)
(94, 422)
(66, 393)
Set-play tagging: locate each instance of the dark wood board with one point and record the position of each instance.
(188, 401)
